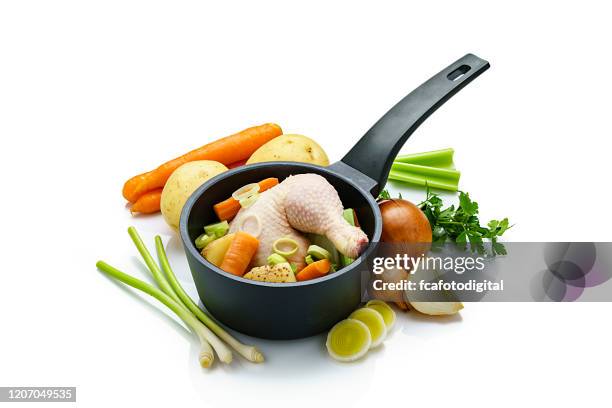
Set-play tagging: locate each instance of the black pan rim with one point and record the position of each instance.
(189, 246)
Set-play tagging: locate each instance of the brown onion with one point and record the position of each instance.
(405, 225)
(404, 222)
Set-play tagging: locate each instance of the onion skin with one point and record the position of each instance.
(403, 223)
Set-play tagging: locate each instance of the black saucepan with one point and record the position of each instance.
(294, 310)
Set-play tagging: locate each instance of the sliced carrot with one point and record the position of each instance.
(149, 203)
(239, 253)
(230, 149)
(314, 270)
(227, 209)
(267, 184)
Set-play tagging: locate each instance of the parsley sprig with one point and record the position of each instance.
(460, 224)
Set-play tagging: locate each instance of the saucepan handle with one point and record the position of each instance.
(374, 153)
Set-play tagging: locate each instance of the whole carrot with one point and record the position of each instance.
(227, 150)
(236, 164)
(148, 203)
(132, 184)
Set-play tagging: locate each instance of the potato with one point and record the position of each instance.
(182, 183)
(296, 148)
(215, 251)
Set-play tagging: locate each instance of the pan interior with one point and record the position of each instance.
(202, 212)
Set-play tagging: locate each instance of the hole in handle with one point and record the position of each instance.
(459, 72)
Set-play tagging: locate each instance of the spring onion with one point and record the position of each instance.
(308, 259)
(152, 265)
(225, 355)
(217, 230)
(204, 240)
(285, 246)
(375, 323)
(206, 356)
(318, 252)
(348, 340)
(249, 352)
(276, 259)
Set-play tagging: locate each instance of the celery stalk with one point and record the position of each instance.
(423, 181)
(436, 158)
(218, 229)
(427, 171)
(206, 356)
(445, 179)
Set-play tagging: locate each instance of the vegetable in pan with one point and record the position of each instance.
(277, 273)
(296, 223)
(239, 254)
(226, 210)
(315, 270)
(215, 251)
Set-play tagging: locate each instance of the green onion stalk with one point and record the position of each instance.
(206, 356)
(224, 353)
(251, 353)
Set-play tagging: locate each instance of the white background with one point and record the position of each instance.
(92, 93)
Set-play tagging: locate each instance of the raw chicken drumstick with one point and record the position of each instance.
(306, 203)
(312, 205)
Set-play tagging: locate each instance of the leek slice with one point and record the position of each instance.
(348, 340)
(285, 246)
(375, 323)
(246, 191)
(385, 311)
(217, 230)
(204, 240)
(323, 242)
(276, 259)
(318, 252)
(248, 201)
